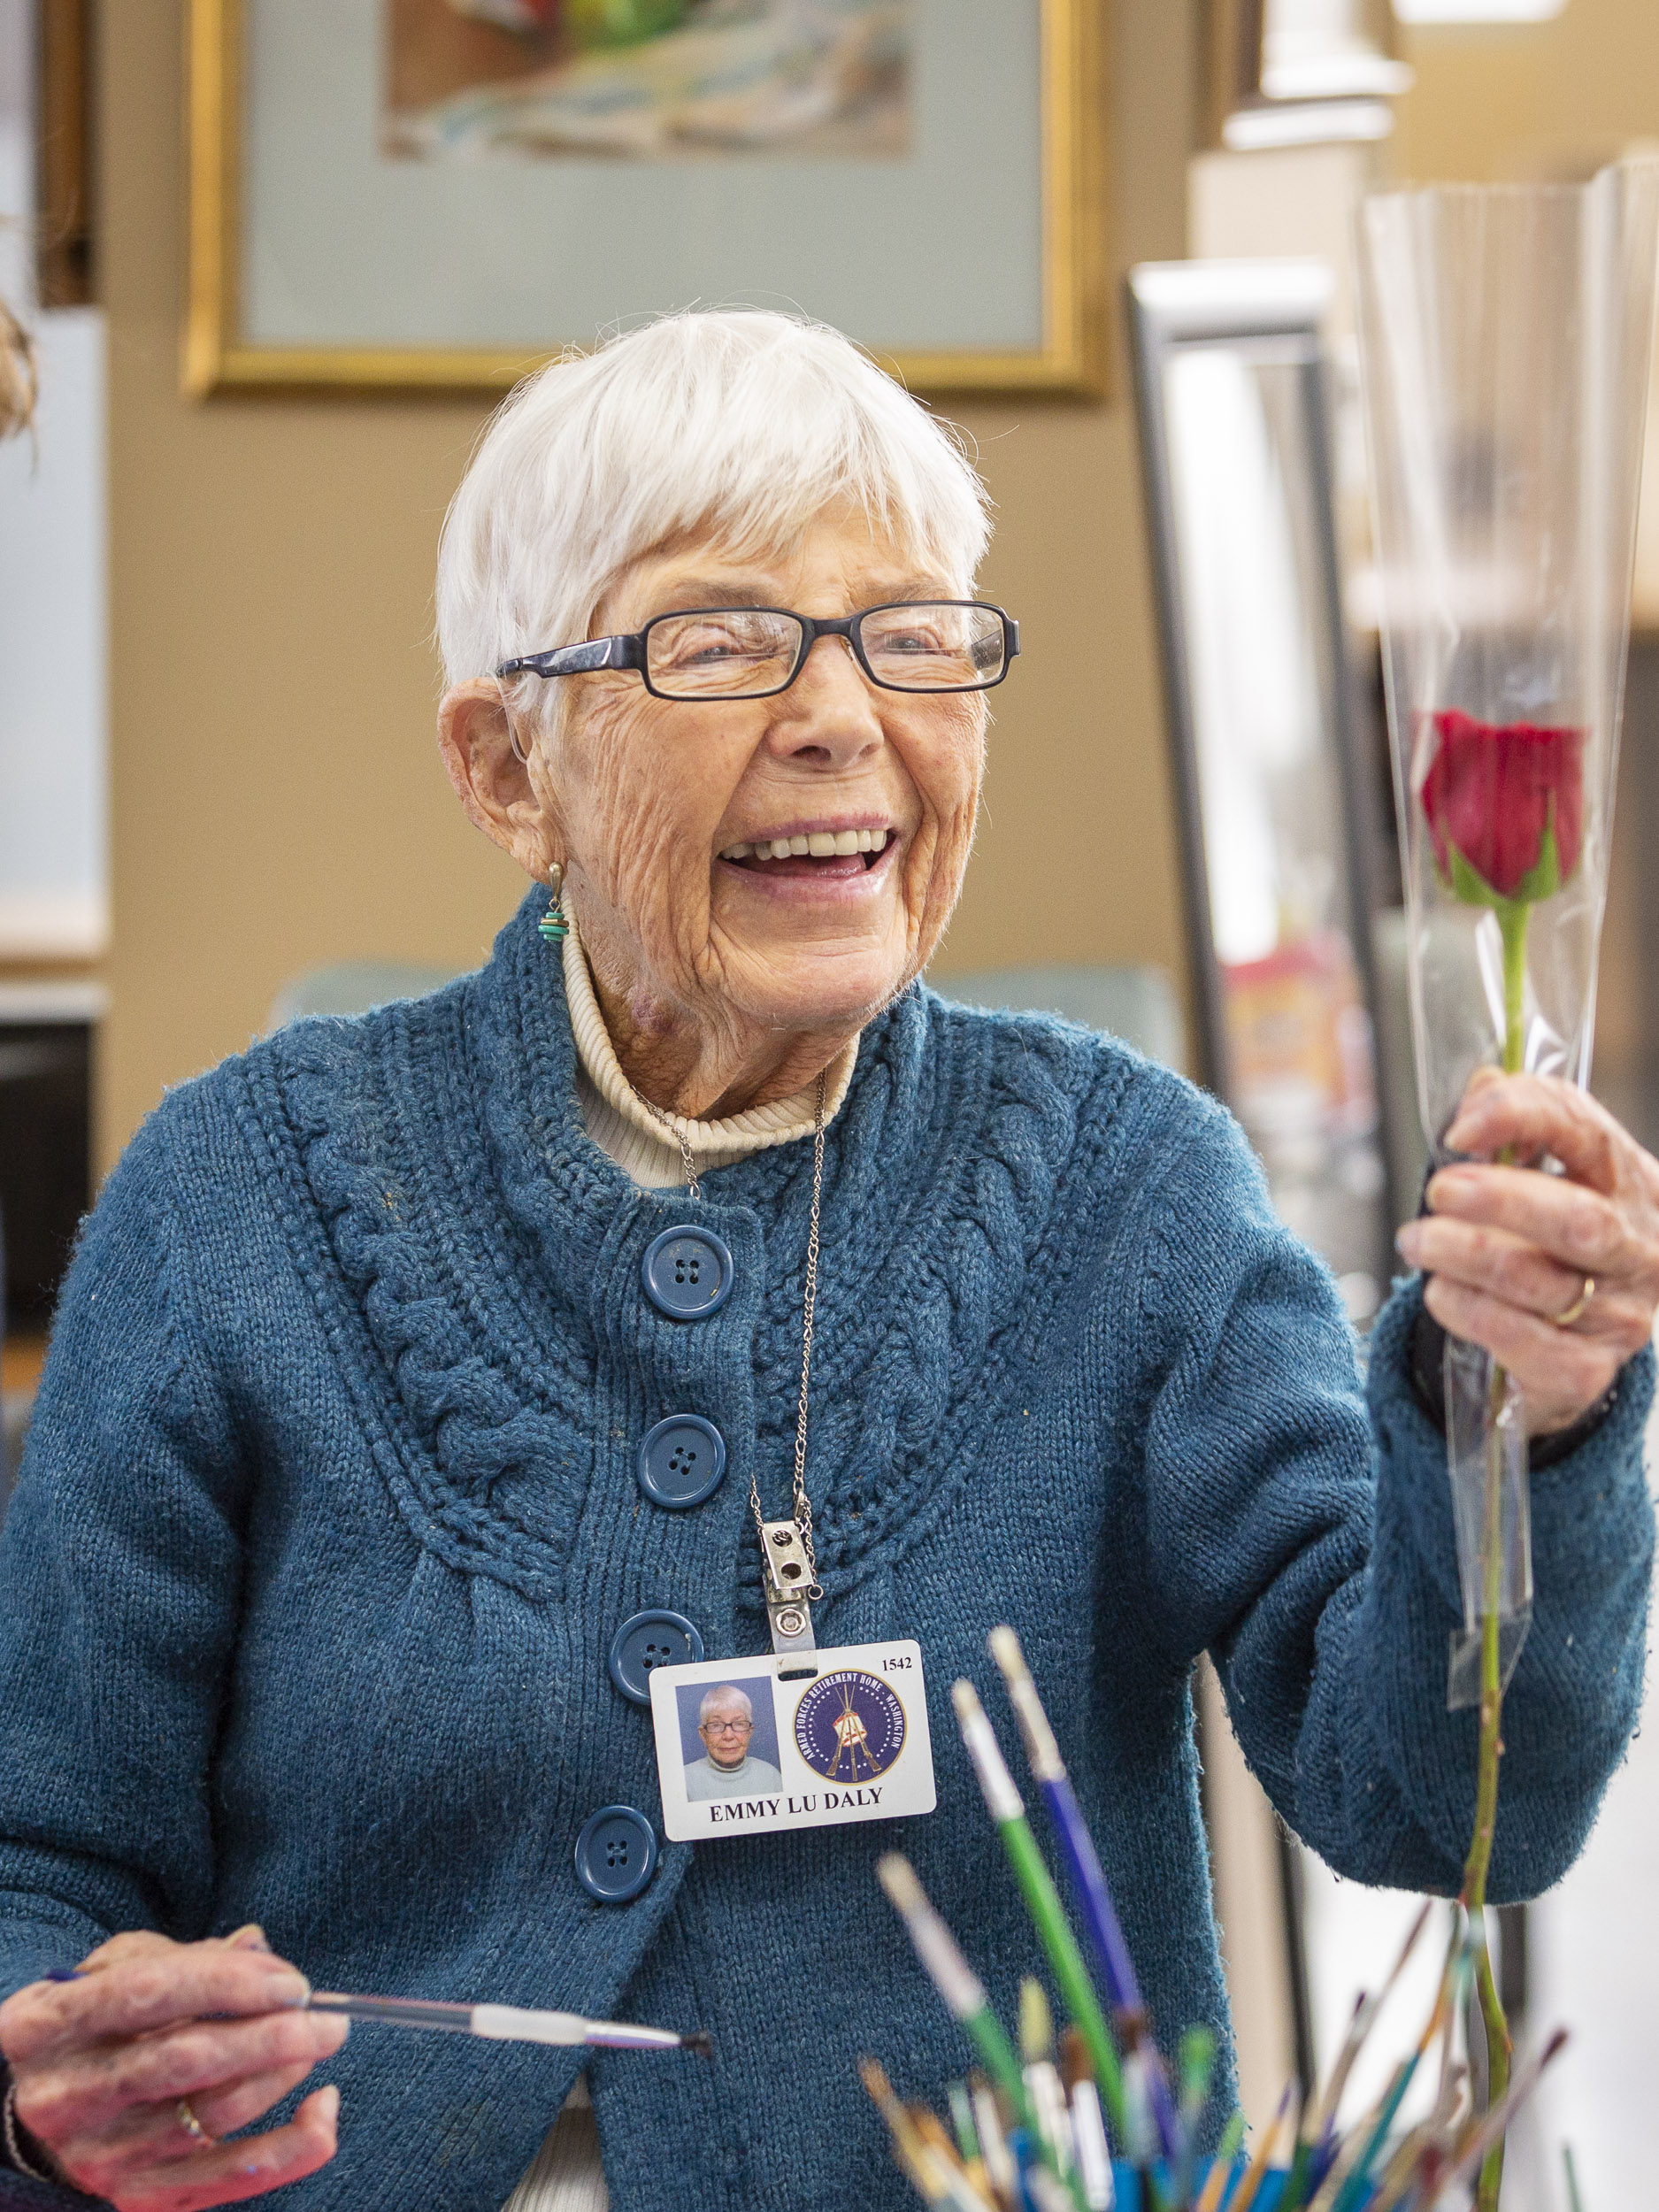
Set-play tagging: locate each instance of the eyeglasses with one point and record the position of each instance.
(922, 645)
(729, 1727)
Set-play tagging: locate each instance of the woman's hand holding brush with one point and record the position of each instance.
(125, 2075)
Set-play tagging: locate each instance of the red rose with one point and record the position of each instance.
(1505, 804)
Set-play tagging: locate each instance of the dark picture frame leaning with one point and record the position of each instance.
(1276, 863)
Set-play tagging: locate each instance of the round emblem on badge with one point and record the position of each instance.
(850, 1726)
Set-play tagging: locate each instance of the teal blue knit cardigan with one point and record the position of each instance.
(329, 1513)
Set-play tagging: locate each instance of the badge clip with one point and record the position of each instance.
(786, 1576)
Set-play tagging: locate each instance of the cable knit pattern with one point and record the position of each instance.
(330, 1511)
(482, 1446)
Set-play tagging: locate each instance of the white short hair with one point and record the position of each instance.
(743, 424)
(723, 1694)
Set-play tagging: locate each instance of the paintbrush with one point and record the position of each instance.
(1357, 2180)
(957, 1983)
(1347, 2182)
(1042, 2076)
(909, 2150)
(1197, 2059)
(936, 2179)
(963, 1993)
(1043, 1901)
(1400, 2171)
(1438, 2133)
(1087, 1883)
(936, 2136)
(1319, 2115)
(1088, 2124)
(1248, 2190)
(1318, 2121)
(1341, 2166)
(1492, 2126)
(968, 2137)
(1221, 2166)
(1000, 2169)
(509, 2023)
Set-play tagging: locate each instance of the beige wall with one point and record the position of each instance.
(1534, 100)
(277, 800)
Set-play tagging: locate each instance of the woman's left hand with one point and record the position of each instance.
(1509, 1250)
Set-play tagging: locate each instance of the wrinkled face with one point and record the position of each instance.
(726, 1730)
(670, 813)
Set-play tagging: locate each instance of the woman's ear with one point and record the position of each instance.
(491, 779)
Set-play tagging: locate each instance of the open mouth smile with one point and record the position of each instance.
(817, 855)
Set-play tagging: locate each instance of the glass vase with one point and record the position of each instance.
(1506, 338)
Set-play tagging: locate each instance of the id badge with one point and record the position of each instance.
(809, 1739)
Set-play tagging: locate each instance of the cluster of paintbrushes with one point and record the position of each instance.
(1036, 2130)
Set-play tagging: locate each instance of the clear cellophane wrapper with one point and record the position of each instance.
(1486, 1436)
(1507, 341)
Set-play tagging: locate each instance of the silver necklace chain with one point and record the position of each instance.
(676, 1128)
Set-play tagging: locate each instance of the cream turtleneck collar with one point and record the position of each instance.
(623, 1128)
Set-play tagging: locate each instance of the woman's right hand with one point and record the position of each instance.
(99, 2065)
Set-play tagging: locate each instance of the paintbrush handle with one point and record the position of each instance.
(1249, 2187)
(1082, 1864)
(1007, 1809)
(498, 2023)
(990, 2039)
(1087, 1879)
(1043, 1901)
(1221, 2167)
(396, 2012)
(1359, 2178)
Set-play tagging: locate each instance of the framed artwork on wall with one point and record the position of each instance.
(389, 194)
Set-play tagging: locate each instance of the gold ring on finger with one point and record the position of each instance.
(192, 2126)
(1565, 1320)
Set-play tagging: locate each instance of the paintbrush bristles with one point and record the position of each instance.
(1036, 2023)
(898, 1878)
(1042, 1749)
(1002, 1800)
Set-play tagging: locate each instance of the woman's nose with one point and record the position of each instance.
(829, 710)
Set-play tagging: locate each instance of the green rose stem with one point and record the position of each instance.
(1484, 792)
(1512, 917)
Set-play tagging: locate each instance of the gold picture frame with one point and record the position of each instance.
(216, 358)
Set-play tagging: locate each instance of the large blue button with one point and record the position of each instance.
(682, 1461)
(647, 1640)
(687, 1274)
(616, 1854)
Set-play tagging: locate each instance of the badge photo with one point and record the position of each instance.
(812, 1740)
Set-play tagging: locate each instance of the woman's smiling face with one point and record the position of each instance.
(667, 813)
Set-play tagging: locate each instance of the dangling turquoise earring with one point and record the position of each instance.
(553, 924)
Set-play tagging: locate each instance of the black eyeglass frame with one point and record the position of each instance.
(628, 650)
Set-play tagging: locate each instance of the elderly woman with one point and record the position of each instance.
(407, 1362)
